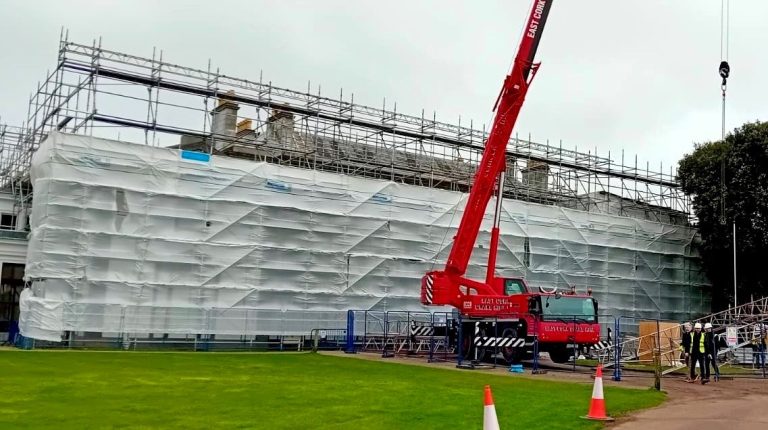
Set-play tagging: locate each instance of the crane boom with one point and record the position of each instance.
(493, 160)
(449, 286)
(501, 311)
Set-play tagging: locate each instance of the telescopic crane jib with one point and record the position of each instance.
(506, 306)
(444, 285)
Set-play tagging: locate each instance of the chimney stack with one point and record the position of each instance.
(224, 121)
(536, 175)
(280, 127)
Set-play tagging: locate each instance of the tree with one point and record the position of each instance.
(745, 198)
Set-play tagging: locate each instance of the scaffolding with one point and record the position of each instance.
(14, 166)
(98, 92)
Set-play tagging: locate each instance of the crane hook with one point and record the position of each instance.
(725, 71)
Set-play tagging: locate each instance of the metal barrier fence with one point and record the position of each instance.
(324, 339)
(137, 327)
(167, 342)
(393, 333)
(659, 348)
(644, 345)
(435, 336)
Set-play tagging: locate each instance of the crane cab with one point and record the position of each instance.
(512, 286)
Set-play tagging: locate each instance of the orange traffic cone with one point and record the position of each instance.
(597, 405)
(490, 422)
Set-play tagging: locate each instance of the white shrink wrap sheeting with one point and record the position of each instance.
(140, 239)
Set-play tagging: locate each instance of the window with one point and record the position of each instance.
(569, 308)
(513, 286)
(7, 222)
(12, 272)
(11, 284)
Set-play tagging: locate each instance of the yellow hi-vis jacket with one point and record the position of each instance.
(701, 342)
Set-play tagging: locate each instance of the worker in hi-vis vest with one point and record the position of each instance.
(697, 352)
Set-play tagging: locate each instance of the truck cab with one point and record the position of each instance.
(514, 286)
(561, 320)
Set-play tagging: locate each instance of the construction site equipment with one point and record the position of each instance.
(597, 404)
(515, 310)
(391, 333)
(328, 339)
(743, 322)
(490, 421)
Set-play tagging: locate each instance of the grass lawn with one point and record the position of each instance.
(84, 390)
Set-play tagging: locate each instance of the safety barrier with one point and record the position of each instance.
(328, 339)
(249, 329)
(482, 340)
(738, 325)
(171, 342)
(405, 333)
(657, 351)
(434, 336)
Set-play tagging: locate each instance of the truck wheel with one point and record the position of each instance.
(512, 355)
(483, 353)
(468, 348)
(559, 355)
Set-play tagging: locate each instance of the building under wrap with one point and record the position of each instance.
(129, 238)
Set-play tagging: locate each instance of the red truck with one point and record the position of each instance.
(503, 313)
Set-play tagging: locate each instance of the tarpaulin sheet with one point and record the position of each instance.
(127, 237)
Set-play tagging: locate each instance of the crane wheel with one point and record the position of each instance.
(559, 355)
(511, 354)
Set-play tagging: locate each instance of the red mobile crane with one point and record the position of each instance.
(506, 306)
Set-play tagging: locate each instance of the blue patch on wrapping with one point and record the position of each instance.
(381, 198)
(200, 157)
(278, 185)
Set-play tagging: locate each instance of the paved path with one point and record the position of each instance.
(737, 404)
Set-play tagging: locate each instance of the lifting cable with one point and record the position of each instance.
(724, 71)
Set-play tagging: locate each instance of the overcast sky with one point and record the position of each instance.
(639, 75)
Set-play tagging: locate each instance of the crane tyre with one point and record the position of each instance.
(559, 355)
(511, 354)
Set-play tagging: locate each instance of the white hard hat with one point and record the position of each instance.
(697, 325)
(707, 325)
